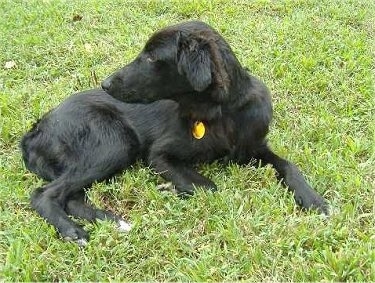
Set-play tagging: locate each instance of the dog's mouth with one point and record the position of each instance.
(131, 97)
(128, 97)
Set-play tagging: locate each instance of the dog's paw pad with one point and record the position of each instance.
(124, 226)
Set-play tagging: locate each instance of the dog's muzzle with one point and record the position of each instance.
(106, 84)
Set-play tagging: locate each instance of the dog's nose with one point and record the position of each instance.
(106, 84)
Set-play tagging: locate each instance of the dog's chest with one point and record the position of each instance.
(208, 141)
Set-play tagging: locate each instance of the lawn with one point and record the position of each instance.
(317, 57)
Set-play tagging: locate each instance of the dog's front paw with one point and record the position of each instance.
(185, 191)
(75, 234)
(189, 190)
(312, 200)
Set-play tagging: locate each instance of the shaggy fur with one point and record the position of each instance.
(185, 74)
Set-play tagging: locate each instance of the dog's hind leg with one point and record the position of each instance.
(293, 179)
(77, 206)
(49, 202)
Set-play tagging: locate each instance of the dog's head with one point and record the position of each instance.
(186, 62)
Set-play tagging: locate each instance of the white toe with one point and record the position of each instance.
(124, 226)
(81, 242)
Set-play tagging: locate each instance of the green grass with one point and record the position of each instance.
(317, 57)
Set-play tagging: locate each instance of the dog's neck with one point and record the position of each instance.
(200, 111)
(245, 90)
(214, 103)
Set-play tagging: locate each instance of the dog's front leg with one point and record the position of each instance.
(185, 178)
(291, 176)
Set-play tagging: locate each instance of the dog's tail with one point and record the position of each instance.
(33, 146)
(26, 145)
(25, 141)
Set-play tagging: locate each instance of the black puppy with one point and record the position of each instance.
(190, 63)
(221, 113)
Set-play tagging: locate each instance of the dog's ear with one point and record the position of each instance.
(193, 61)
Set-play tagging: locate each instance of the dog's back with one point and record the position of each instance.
(73, 131)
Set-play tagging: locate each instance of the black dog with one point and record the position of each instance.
(207, 107)
(190, 63)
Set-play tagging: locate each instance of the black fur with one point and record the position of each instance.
(191, 64)
(186, 73)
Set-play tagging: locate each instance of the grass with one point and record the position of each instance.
(317, 57)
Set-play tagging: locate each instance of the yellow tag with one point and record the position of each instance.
(198, 130)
